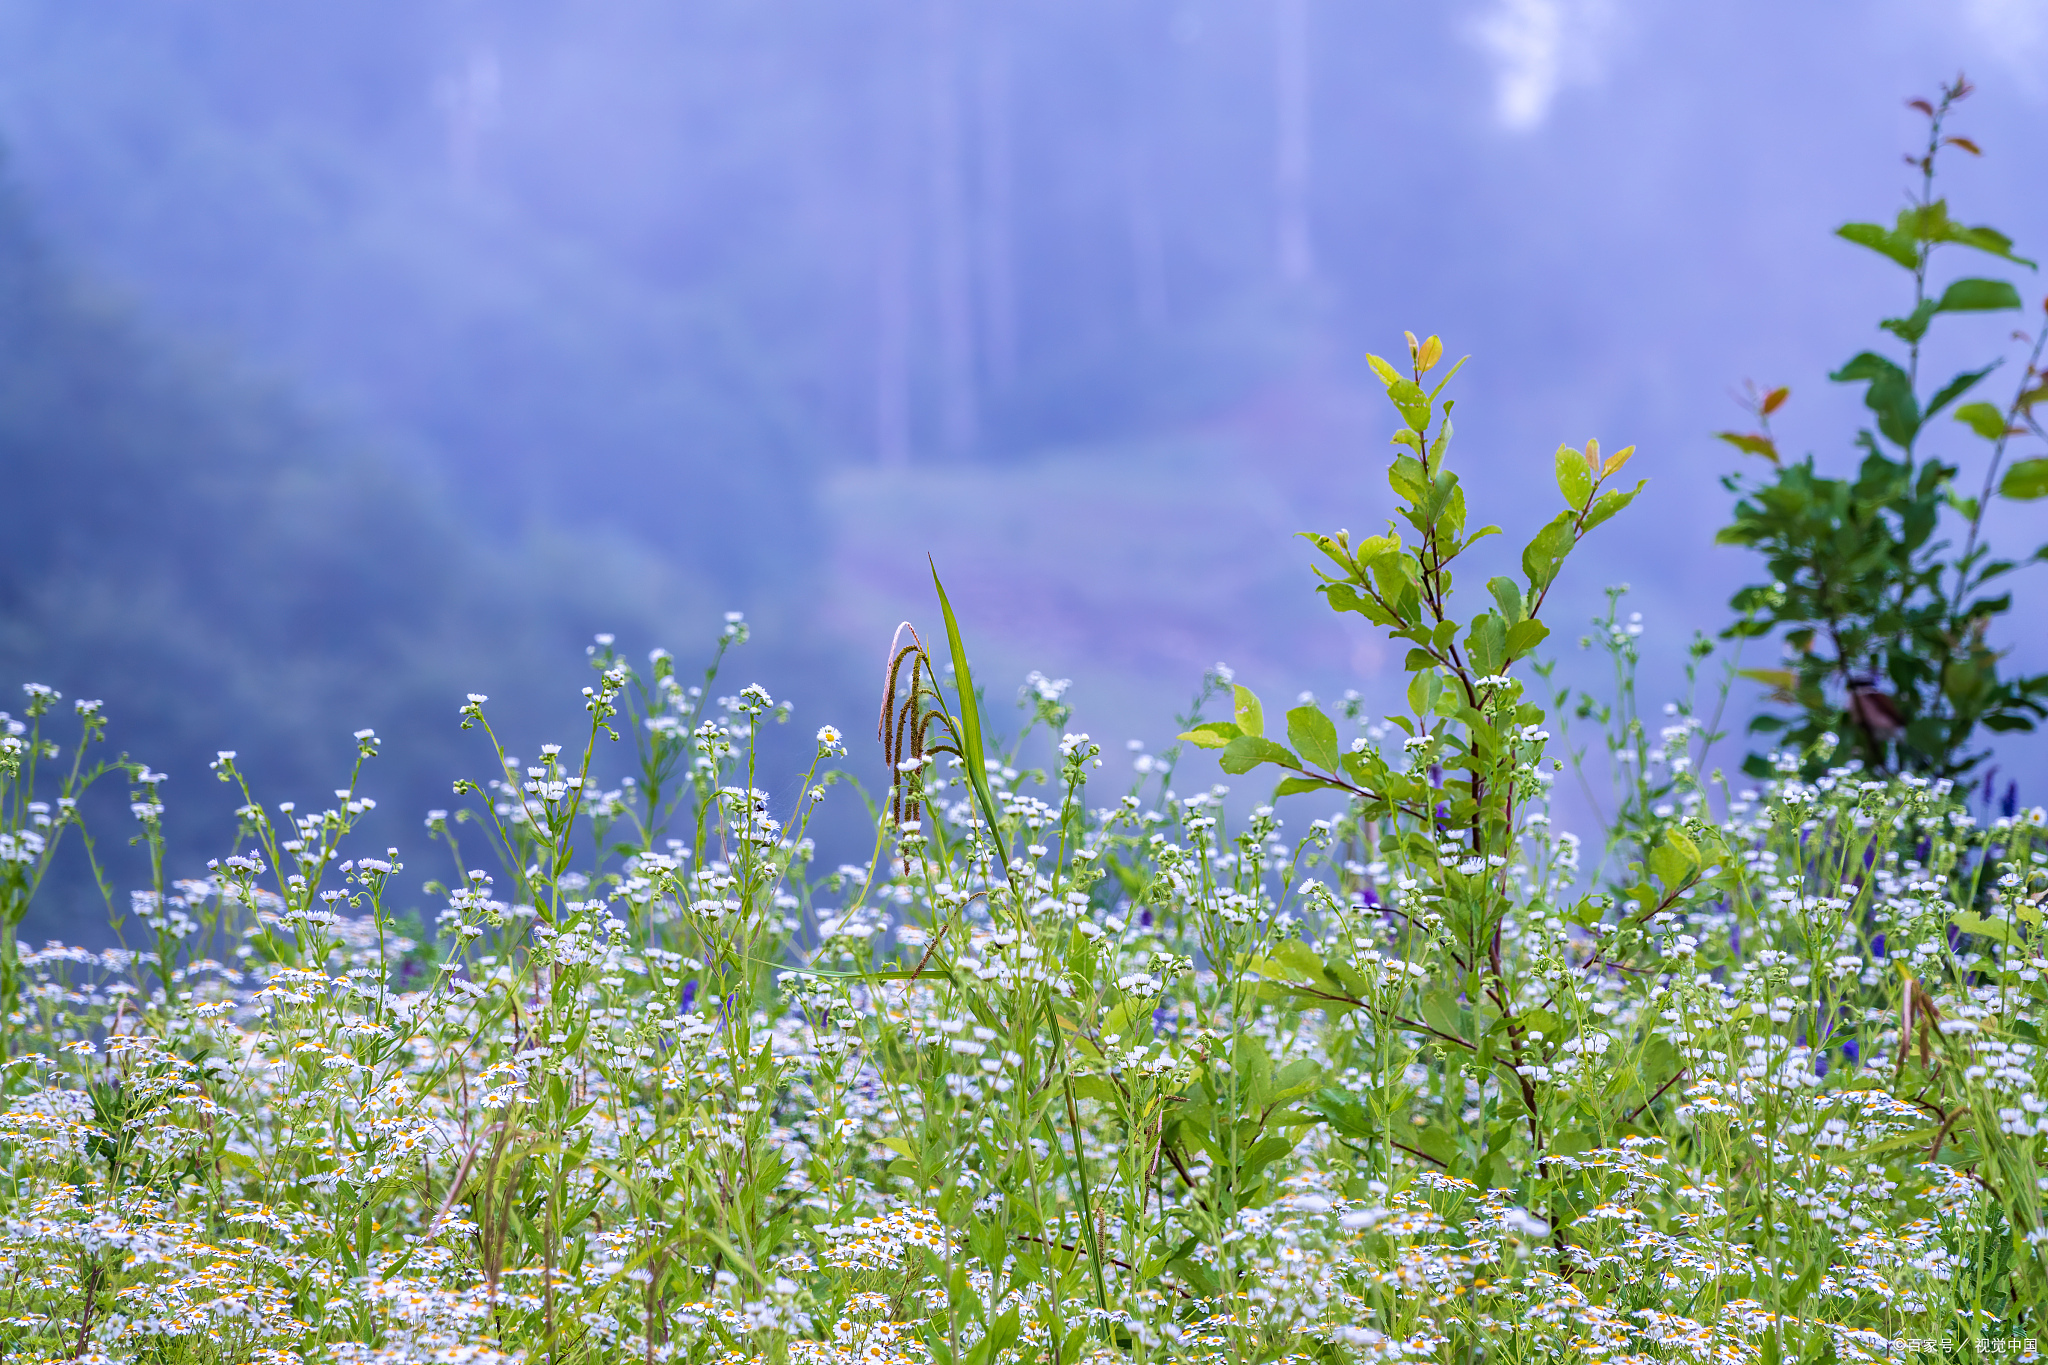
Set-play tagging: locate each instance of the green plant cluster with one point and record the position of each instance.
(1887, 617)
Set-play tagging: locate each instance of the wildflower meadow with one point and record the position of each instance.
(1356, 1054)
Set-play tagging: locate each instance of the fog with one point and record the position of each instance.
(360, 356)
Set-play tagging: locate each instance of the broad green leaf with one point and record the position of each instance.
(1413, 404)
(1674, 860)
(1983, 419)
(1508, 594)
(1524, 636)
(1372, 547)
(1890, 395)
(973, 758)
(1212, 734)
(1543, 554)
(1486, 646)
(1290, 959)
(1781, 681)
(1971, 923)
(1978, 296)
(1423, 690)
(1251, 717)
(1406, 477)
(1314, 736)
(1896, 246)
(2025, 481)
(1247, 752)
(1387, 373)
(1574, 479)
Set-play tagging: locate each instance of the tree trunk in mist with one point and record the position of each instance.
(891, 229)
(1296, 247)
(998, 259)
(951, 262)
(892, 339)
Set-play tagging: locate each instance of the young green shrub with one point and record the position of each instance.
(1882, 585)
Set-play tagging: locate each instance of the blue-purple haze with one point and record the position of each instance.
(779, 295)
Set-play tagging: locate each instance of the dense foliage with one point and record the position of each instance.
(1888, 617)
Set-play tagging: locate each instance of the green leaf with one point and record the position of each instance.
(1781, 681)
(1988, 240)
(1423, 690)
(1978, 296)
(2025, 481)
(1342, 1111)
(1971, 923)
(1406, 477)
(1508, 594)
(1957, 387)
(1444, 383)
(1487, 644)
(973, 757)
(1543, 554)
(1314, 736)
(1574, 479)
(1524, 636)
(1387, 373)
(1294, 786)
(1251, 717)
(998, 1340)
(1674, 860)
(1890, 395)
(1911, 328)
(1610, 502)
(1247, 752)
(1896, 246)
(1751, 443)
(1983, 419)
(1212, 734)
(1411, 401)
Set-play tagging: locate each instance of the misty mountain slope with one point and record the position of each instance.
(227, 569)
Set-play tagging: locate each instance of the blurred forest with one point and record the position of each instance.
(356, 357)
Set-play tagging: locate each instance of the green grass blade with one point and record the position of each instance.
(973, 755)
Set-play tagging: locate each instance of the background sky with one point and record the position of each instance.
(402, 346)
